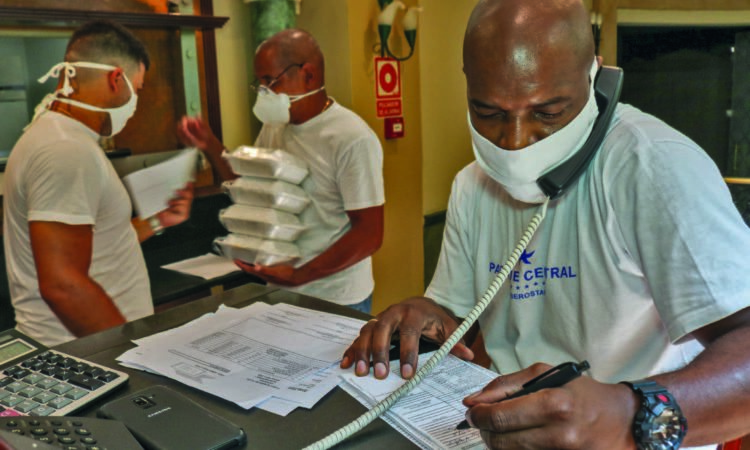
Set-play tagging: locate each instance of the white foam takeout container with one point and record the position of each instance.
(266, 223)
(254, 250)
(276, 194)
(266, 163)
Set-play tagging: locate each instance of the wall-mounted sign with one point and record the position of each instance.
(387, 87)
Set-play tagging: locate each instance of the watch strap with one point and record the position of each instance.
(645, 387)
(155, 225)
(649, 422)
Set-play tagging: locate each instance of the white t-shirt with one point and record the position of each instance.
(345, 161)
(644, 249)
(58, 173)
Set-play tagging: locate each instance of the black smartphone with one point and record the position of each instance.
(163, 419)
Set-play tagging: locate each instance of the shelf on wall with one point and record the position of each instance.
(49, 17)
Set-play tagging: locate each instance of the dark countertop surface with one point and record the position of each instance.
(264, 430)
(190, 239)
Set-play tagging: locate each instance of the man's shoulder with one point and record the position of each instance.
(473, 174)
(470, 173)
(633, 126)
(54, 130)
(473, 182)
(638, 136)
(347, 124)
(46, 141)
(641, 151)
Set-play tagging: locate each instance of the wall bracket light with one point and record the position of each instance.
(388, 10)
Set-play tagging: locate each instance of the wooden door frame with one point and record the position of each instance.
(607, 12)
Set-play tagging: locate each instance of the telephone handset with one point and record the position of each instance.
(607, 88)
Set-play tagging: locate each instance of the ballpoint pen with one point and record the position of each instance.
(555, 377)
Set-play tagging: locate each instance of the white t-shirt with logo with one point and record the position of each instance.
(644, 249)
(58, 173)
(345, 161)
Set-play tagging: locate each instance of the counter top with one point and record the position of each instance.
(264, 430)
(190, 239)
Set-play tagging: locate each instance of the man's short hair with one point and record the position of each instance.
(106, 42)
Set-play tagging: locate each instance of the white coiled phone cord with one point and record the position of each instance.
(385, 404)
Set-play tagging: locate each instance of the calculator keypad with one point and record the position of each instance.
(53, 383)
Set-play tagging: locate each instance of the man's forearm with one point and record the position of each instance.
(350, 249)
(83, 306)
(714, 390)
(142, 229)
(220, 167)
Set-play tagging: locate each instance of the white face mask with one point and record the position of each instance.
(518, 170)
(272, 108)
(118, 116)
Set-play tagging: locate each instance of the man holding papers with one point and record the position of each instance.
(74, 261)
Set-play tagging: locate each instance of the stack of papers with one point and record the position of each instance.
(282, 357)
(427, 415)
(276, 358)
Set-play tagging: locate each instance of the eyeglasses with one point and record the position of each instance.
(256, 84)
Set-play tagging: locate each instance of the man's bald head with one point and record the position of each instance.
(522, 34)
(290, 62)
(292, 46)
(527, 67)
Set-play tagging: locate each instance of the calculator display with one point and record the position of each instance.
(13, 350)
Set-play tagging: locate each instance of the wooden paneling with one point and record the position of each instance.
(101, 5)
(608, 10)
(210, 79)
(682, 5)
(608, 45)
(60, 17)
(161, 101)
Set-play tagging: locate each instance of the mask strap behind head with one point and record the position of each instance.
(294, 98)
(69, 69)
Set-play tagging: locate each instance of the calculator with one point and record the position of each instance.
(37, 381)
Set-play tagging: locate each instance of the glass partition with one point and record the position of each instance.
(26, 57)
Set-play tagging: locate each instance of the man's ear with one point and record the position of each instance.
(309, 73)
(112, 78)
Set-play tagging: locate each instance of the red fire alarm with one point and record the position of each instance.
(394, 127)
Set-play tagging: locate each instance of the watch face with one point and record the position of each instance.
(660, 424)
(667, 429)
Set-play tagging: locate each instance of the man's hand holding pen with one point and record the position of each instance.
(557, 376)
(576, 415)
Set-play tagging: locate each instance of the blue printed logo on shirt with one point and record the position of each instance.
(530, 281)
(526, 257)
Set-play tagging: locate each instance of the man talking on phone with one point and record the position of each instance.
(640, 266)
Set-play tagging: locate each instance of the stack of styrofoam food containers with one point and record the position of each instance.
(263, 222)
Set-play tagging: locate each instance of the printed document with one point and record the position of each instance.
(427, 415)
(252, 355)
(205, 266)
(151, 188)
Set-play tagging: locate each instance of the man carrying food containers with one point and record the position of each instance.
(309, 195)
